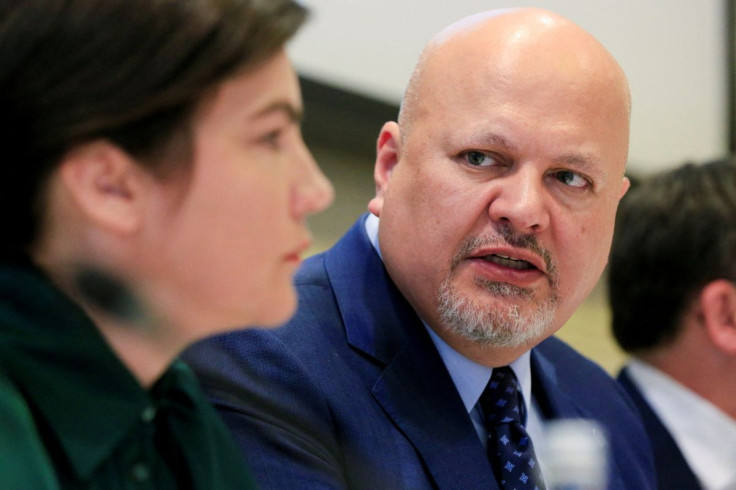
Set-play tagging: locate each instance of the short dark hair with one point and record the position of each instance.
(675, 233)
(129, 71)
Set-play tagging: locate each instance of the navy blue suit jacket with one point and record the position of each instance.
(671, 466)
(352, 393)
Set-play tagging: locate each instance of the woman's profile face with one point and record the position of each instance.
(228, 244)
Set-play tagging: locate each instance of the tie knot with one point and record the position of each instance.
(501, 401)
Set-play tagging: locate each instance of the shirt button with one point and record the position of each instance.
(148, 414)
(139, 473)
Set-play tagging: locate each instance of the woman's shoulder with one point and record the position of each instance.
(23, 460)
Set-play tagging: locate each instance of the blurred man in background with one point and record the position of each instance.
(672, 287)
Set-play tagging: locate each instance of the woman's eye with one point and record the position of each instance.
(272, 139)
(571, 179)
(478, 159)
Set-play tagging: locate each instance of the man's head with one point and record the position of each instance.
(497, 189)
(673, 255)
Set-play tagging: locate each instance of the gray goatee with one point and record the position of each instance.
(494, 323)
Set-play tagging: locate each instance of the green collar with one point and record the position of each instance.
(69, 374)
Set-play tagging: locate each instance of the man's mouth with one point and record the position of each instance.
(505, 261)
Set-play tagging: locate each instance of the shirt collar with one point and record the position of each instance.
(89, 400)
(371, 229)
(705, 435)
(470, 378)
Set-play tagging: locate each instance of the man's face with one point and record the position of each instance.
(497, 215)
(230, 236)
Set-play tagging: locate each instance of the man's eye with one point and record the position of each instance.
(571, 179)
(478, 159)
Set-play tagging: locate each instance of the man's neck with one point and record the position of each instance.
(709, 375)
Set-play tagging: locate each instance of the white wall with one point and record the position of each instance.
(672, 50)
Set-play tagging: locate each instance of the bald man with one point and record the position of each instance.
(496, 194)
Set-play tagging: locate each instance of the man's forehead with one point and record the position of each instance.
(534, 56)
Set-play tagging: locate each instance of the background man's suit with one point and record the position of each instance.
(671, 466)
(352, 392)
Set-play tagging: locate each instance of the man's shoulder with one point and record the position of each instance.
(349, 252)
(312, 271)
(318, 308)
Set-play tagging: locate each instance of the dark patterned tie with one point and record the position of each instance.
(509, 446)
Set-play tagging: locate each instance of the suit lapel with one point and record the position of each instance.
(556, 400)
(553, 401)
(418, 394)
(415, 389)
(371, 307)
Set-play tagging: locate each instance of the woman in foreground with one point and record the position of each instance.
(154, 190)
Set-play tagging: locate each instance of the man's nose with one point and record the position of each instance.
(521, 200)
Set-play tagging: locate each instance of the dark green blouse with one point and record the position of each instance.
(73, 416)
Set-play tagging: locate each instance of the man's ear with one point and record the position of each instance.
(106, 184)
(718, 303)
(388, 148)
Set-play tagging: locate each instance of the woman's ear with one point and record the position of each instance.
(387, 156)
(107, 185)
(718, 303)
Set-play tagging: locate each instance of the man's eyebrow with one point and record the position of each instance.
(295, 114)
(491, 138)
(583, 161)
